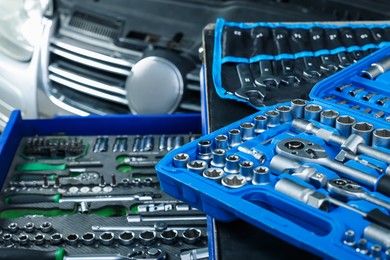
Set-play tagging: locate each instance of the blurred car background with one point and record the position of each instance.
(69, 57)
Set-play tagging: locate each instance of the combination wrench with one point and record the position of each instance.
(306, 151)
(349, 190)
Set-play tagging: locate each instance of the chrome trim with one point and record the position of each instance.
(87, 91)
(88, 62)
(86, 81)
(67, 107)
(91, 54)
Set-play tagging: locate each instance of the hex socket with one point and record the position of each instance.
(285, 114)
(23, 239)
(381, 137)
(147, 237)
(88, 238)
(344, 125)
(298, 107)
(169, 236)
(234, 136)
(46, 227)
(192, 236)
(364, 130)
(106, 238)
(273, 118)
(29, 227)
(72, 239)
(260, 123)
(126, 238)
(221, 142)
(328, 117)
(56, 239)
(13, 227)
(312, 112)
(204, 150)
(247, 130)
(39, 239)
(7, 239)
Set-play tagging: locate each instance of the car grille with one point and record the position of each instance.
(88, 71)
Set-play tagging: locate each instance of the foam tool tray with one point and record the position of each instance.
(86, 188)
(314, 173)
(267, 63)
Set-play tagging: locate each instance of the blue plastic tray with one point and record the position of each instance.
(322, 233)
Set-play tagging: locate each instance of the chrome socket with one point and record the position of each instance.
(247, 130)
(381, 137)
(88, 238)
(7, 240)
(260, 124)
(364, 130)
(285, 114)
(234, 137)
(232, 164)
(312, 112)
(361, 246)
(72, 239)
(147, 237)
(214, 174)
(349, 238)
(344, 125)
(180, 160)
(56, 239)
(246, 169)
(162, 143)
(126, 238)
(192, 236)
(261, 175)
(376, 251)
(13, 227)
(23, 239)
(204, 150)
(170, 141)
(298, 108)
(179, 141)
(39, 239)
(46, 227)
(273, 118)
(221, 142)
(234, 181)
(169, 236)
(106, 238)
(328, 117)
(197, 166)
(219, 157)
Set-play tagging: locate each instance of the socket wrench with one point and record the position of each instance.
(306, 151)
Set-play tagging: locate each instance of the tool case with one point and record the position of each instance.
(86, 187)
(313, 173)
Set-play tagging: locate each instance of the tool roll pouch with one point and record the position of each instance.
(268, 63)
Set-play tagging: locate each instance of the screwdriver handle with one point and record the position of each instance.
(31, 198)
(22, 254)
(378, 217)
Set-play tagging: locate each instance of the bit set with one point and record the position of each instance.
(314, 173)
(95, 197)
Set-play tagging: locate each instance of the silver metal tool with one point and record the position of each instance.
(214, 174)
(260, 123)
(219, 157)
(72, 239)
(179, 141)
(328, 117)
(169, 236)
(120, 145)
(221, 142)
(353, 143)
(13, 227)
(170, 141)
(147, 237)
(376, 69)
(234, 137)
(246, 169)
(139, 218)
(377, 234)
(39, 239)
(137, 146)
(192, 236)
(344, 125)
(248, 90)
(349, 238)
(267, 78)
(180, 160)
(379, 114)
(23, 239)
(232, 164)
(46, 227)
(343, 156)
(347, 190)
(306, 151)
(247, 130)
(298, 107)
(381, 137)
(56, 239)
(204, 150)
(285, 113)
(354, 92)
(234, 181)
(361, 246)
(106, 238)
(88, 238)
(162, 143)
(312, 111)
(261, 176)
(376, 252)
(195, 254)
(368, 96)
(197, 166)
(280, 164)
(341, 88)
(158, 227)
(273, 118)
(364, 130)
(126, 238)
(7, 240)
(382, 101)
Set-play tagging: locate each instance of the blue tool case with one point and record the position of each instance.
(262, 64)
(314, 173)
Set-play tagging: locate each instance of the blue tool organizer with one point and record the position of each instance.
(329, 230)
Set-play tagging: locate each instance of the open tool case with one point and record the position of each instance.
(313, 173)
(87, 187)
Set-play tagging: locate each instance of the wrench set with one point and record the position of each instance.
(268, 63)
(315, 173)
(95, 197)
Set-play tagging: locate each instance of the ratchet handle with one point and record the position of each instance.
(21, 254)
(378, 217)
(383, 185)
(31, 198)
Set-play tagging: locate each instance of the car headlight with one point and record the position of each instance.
(20, 24)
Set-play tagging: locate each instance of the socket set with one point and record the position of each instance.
(314, 173)
(267, 63)
(94, 195)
